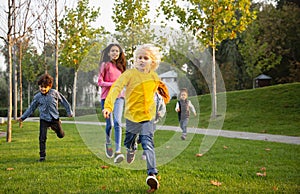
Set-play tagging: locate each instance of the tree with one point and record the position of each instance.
(9, 42)
(270, 45)
(77, 38)
(211, 22)
(132, 24)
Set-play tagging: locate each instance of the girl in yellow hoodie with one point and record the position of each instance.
(141, 83)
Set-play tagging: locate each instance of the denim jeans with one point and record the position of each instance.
(116, 120)
(145, 130)
(183, 125)
(55, 125)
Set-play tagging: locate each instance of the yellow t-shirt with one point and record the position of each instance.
(139, 94)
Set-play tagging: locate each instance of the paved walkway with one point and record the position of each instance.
(212, 132)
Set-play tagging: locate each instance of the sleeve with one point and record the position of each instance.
(115, 90)
(161, 106)
(101, 76)
(65, 103)
(34, 104)
(192, 107)
(177, 106)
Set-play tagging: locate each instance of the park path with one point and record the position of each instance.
(211, 132)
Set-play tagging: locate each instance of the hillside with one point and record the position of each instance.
(273, 110)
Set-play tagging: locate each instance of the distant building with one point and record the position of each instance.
(170, 79)
(262, 81)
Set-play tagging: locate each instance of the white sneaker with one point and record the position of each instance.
(119, 157)
(152, 182)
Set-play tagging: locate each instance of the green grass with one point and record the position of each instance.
(72, 168)
(272, 110)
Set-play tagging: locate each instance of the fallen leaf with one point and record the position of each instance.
(158, 177)
(104, 167)
(215, 183)
(268, 149)
(261, 174)
(263, 169)
(167, 147)
(225, 147)
(275, 188)
(103, 187)
(199, 155)
(9, 169)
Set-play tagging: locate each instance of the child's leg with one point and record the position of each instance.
(146, 136)
(132, 130)
(43, 137)
(183, 126)
(108, 125)
(56, 126)
(118, 111)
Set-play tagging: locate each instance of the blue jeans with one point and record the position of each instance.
(117, 120)
(183, 125)
(145, 130)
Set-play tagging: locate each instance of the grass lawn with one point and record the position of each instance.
(77, 163)
(73, 168)
(271, 110)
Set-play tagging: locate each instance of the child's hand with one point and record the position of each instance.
(177, 109)
(195, 114)
(19, 119)
(105, 113)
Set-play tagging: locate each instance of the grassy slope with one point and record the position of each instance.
(273, 110)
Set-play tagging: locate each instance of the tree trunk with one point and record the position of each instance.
(28, 91)
(15, 83)
(21, 80)
(9, 109)
(11, 5)
(74, 92)
(214, 83)
(56, 46)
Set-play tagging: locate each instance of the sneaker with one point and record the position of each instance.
(130, 156)
(108, 150)
(152, 182)
(183, 137)
(118, 158)
(144, 157)
(42, 159)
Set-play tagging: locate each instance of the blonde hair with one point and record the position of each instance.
(154, 54)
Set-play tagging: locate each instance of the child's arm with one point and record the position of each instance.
(177, 109)
(34, 104)
(65, 103)
(192, 108)
(115, 90)
(101, 75)
(161, 107)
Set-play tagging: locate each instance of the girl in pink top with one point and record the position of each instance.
(112, 65)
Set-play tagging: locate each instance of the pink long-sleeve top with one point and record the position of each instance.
(108, 74)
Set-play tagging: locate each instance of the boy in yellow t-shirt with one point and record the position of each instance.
(141, 84)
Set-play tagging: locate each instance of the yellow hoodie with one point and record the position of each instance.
(139, 94)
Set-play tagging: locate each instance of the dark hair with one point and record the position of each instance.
(120, 62)
(45, 80)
